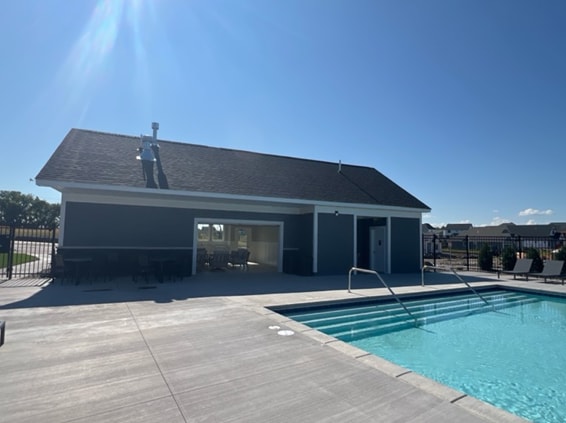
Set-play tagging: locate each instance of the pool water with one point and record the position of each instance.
(513, 357)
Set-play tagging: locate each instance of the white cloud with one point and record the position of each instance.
(531, 222)
(535, 212)
(498, 221)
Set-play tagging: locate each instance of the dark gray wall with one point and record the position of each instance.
(405, 245)
(107, 225)
(335, 243)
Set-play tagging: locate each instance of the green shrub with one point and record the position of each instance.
(533, 253)
(561, 254)
(485, 258)
(508, 258)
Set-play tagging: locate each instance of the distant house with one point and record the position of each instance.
(453, 229)
(513, 230)
(292, 214)
(548, 236)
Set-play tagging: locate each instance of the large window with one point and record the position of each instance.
(217, 232)
(203, 232)
(210, 232)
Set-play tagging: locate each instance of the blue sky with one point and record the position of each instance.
(461, 102)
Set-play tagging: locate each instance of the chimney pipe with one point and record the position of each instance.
(155, 127)
(339, 166)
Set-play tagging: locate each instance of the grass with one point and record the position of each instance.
(19, 258)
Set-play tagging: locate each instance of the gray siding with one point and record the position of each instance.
(335, 243)
(105, 225)
(405, 245)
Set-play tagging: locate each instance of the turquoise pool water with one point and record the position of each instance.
(513, 358)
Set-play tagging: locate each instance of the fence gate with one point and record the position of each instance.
(26, 252)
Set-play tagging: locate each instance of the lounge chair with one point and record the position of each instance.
(552, 269)
(522, 268)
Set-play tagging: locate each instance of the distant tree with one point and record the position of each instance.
(485, 258)
(19, 209)
(508, 258)
(533, 253)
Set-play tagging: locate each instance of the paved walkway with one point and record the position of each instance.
(203, 350)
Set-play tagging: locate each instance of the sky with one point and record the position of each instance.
(460, 102)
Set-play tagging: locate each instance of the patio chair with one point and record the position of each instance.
(202, 258)
(522, 268)
(143, 268)
(219, 260)
(552, 269)
(240, 258)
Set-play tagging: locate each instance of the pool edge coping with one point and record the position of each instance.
(469, 403)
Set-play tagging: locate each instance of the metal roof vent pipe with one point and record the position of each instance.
(161, 177)
(339, 166)
(155, 127)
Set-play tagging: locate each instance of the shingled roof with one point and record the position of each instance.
(104, 159)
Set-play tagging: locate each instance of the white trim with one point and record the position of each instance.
(281, 239)
(161, 195)
(388, 230)
(421, 264)
(355, 252)
(315, 242)
(183, 203)
(375, 211)
(63, 212)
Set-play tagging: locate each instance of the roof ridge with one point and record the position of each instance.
(255, 153)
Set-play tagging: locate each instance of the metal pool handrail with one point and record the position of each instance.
(357, 269)
(458, 276)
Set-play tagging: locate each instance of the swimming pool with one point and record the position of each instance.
(510, 353)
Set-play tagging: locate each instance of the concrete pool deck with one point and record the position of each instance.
(205, 349)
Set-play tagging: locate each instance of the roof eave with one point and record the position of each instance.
(66, 186)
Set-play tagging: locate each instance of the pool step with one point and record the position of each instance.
(324, 314)
(358, 322)
(391, 309)
(357, 333)
(402, 320)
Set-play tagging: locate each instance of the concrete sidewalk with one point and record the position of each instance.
(204, 350)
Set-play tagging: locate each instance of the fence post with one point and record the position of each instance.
(434, 250)
(11, 243)
(467, 254)
(53, 231)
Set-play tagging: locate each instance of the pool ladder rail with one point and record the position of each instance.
(451, 269)
(373, 272)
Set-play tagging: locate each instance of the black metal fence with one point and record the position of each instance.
(463, 251)
(26, 252)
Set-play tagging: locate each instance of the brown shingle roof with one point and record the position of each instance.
(109, 159)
